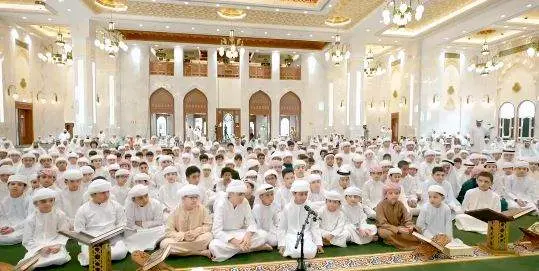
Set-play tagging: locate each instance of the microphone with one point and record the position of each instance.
(312, 212)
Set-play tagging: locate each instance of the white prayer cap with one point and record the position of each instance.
(310, 150)
(113, 167)
(281, 143)
(358, 158)
(298, 163)
(413, 165)
(96, 157)
(43, 193)
(44, 156)
(83, 160)
(344, 170)
(195, 150)
(522, 164)
(429, 153)
(409, 142)
(369, 151)
(189, 190)
(394, 170)
(111, 156)
(186, 155)
(60, 159)
(87, 170)
(73, 174)
(32, 177)
(437, 189)
(122, 172)
(17, 178)
(264, 188)
(385, 163)
(28, 155)
(7, 169)
(138, 191)
(251, 173)
(229, 162)
(346, 144)
(205, 166)
(300, 186)
(474, 156)
(333, 195)
(141, 177)
(251, 156)
(135, 159)
(251, 163)
(339, 155)
(276, 154)
(165, 158)
(236, 186)
(270, 172)
(98, 186)
(316, 168)
(468, 163)
(170, 169)
(314, 177)
(352, 191)
(13, 152)
(287, 154)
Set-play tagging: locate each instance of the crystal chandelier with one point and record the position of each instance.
(486, 66)
(372, 71)
(400, 11)
(59, 53)
(484, 49)
(110, 40)
(337, 52)
(230, 46)
(370, 57)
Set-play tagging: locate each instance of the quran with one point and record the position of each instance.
(156, 258)
(28, 263)
(89, 239)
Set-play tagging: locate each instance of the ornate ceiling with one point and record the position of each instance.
(531, 17)
(296, 14)
(491, 35)
(436, 12)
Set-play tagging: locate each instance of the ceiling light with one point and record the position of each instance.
(265, 33)
(276, 9)
(140, 25)
(446, 38)
(218, 29)
(503, 16)
(529, 5)
(217, 5)
(337, 21)
(463, 31)
(330, 5)
(69, 9)
(396, 41)
(524, 27)
(338, 52)
(187, 3)
(248, 7)
(288, 34)
(167, 26)
(311, 35)
(401, 12)
(368, 30)
(305, 12)
(192, 28)
(110, 40)
(49, 19)
(505, 26)
(229, 46)
(23, 17)
(379, 40)
(241, 31)
(231, 13)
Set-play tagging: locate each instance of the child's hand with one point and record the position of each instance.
(329, 237)
(235, 242)
(412, 203)
(521, 203)
(281, 251)
(320, 250)
(6, 230)
(404, 230)
(138, 223)
(54, 249)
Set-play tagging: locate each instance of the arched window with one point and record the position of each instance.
(506, 121)
(526, 119)
(285, 126)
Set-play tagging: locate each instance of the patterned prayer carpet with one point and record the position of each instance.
(376, 255)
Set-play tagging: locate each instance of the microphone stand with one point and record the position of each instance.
(301, 241)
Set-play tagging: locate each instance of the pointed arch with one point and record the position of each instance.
(161, 112)
(290, 108)
(260, 115)
(195, 113)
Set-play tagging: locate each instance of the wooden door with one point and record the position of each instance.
(69, 127)
(25, 123)
(395, 127)
(221, 114)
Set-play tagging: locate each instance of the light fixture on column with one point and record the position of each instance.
(401, 12)
(533, 49)
(372, 70)
(41, 97)
(110, 40)
(230, 46)
(370, 56)
(12, 91)
(484, 49)
(486, 62)
(402, 102)
(337, 52)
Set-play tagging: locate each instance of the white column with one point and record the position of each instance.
(178, 93)
(244, 100)
(275, 95)
(213, 97)
(357, 93)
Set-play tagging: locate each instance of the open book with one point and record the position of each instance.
(156, 258)
(89, 239)
(28, 263)
(427, 240)
(487, 214)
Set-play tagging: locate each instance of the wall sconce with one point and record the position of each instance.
(97, 100)
(342, 103)
(12, 91)
(41, 97)
(54, 99)
(371, 105)
(403, 102)
(435, 99)
(468, 99)
(486, 99)
(383, 105)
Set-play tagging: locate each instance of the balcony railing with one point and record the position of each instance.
(260, 72)
(291, 73)
(195, 69)
(162, 68)
(228, 70)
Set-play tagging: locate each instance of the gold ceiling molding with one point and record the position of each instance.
(355, 10)
(116, 5)
(516, 87)
(231, 13)
(338, 21)
(216, 40)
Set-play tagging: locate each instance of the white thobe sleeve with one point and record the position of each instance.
(421, 222)
(317, 236)
(218, 221)
(339, 227)
(448, 222)
(249, 219)
(28, 240)
(157, 215)
(130, 216)
(282, 228)
(79, 223)
(120, 215)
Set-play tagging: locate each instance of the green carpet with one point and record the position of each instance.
(12, 254)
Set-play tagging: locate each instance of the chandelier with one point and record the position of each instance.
(374, 70)
(401, 12)
(337, 52)
(230, 46)
(59, 53)
(370, 56)
(485, 64)
(110, 40)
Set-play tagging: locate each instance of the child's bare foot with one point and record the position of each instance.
(375, 237)
(206, 253)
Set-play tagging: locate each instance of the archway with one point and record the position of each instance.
(526, 119)
(162, 113)
(260, 116)
(290, 108)
(506, 121)
(195, 115)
